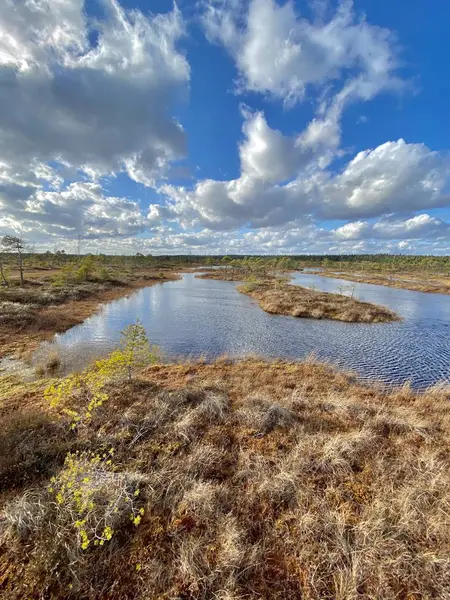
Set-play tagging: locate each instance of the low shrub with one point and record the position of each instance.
(12, 313)
(86, 505)
(48, 364)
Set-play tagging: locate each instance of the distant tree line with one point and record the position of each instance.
(15, 254)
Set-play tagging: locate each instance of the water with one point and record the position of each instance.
(193, 317)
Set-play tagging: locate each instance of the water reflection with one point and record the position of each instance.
(205, 317)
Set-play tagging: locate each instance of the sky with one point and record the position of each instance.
(226, 126)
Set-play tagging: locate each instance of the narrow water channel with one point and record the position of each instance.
(194, 317)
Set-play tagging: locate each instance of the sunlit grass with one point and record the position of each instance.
(256, 480)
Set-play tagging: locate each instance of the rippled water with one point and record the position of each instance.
(205, 317)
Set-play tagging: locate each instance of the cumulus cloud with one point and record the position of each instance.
(288, 177)
(81, 99)
(284, 178)
(80, 209)
(393, 177)
(352, 231)
(419, 226)
(282, 53)
(422, 226)
(421, 233)
(257, 198)
(101, 107)
(268, 155)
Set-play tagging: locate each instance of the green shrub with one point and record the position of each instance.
(93, 499)
(80, 394)
(67, 526)
(86, 269)
(65, 275)
(104, 274)
(135, 352)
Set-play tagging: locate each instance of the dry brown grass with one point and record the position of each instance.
(407, 281)
(49, 364)
(223, 275)
(297, 301)
(259, 480)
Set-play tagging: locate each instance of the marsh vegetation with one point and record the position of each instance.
(267, 282)
(280, 298)
(224, 480)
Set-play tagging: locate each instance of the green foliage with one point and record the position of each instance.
(281, 282)
(85, 269)
(93, 499)
(65, 275)
(78, 395)
(104, 274)
(226, 260)
(135, 351)
(251, 284)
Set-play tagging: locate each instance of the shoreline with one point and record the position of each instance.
(281, 298)
(404, 284)
(58, 318)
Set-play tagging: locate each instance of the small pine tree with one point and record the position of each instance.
(4, 274)
(135, 351)
(136, 347)
(85, 269)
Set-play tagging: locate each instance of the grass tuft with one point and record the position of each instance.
(297, 301)
(279, 480)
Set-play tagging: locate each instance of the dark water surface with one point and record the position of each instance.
(193, 317)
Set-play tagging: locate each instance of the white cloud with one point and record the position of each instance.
(81, 209)
(286, 178)
(422, 226)
(255, 198)
(352, 231)
(282, 53)
(102, 108)
(393, 177)
(304, 237)
(81, 99)
(268, 155)
(419, 226)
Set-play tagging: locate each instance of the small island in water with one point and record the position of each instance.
(277, 296)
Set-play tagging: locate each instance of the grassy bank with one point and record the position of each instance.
(297, 301)
(51, 303)
(416, 282)
(275, 296)
(228, 481)
(223, 275)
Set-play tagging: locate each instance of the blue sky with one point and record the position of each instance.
(226, 125)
